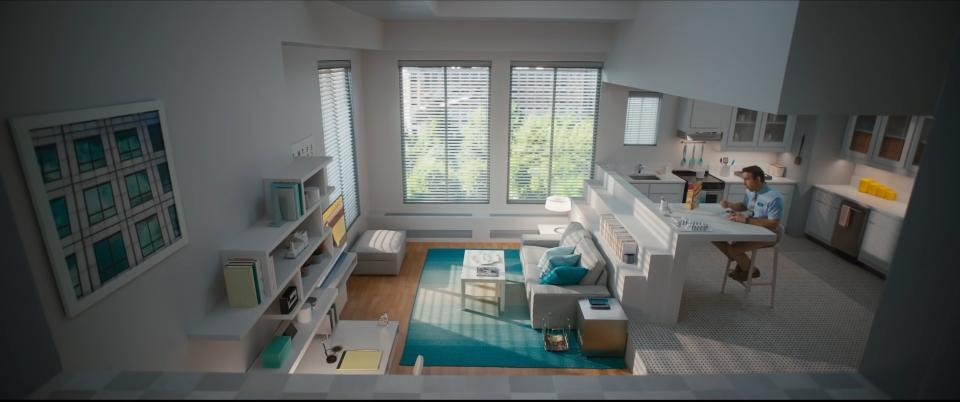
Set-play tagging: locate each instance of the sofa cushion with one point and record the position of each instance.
(592, 260)
(551, 252)
(380, 245)
(529, 256)
(564, 276)
(574, 233)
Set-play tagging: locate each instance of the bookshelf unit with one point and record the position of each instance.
(266, 243)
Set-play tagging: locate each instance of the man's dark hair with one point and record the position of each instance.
(755, 171)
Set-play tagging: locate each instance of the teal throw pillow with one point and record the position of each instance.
(563, 260)
(551, 252)
(564, 276)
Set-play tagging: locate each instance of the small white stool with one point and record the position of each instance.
(753, 261)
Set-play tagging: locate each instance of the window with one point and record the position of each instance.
(339, 141)
(111, 256)
(174, 221)
(49, 162)
(163, 170)
(128, 144)
(138, 188)
(99, 203)
(553, 114)
(149, 235)
(156, 137)
(445, 132)
(60, 216)
(643, 117)
(74, 275)
(89, 153)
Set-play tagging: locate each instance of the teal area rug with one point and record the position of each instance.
(476, 337)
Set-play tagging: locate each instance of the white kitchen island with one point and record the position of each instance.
(652, 288)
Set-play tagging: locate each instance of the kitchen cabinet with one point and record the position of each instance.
(894, 143)
(880, 240)
(922, 131)
(751, 130)
(697, 115)
(736, 192)
(823, 215)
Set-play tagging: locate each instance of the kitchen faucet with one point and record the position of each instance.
(639, 168)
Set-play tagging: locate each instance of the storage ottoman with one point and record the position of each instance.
(380, 252)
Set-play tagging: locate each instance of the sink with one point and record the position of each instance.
(644, 177)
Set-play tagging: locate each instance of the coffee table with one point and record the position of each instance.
(471, 260)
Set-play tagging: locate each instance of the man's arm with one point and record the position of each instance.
(736, 206)
(774, 212)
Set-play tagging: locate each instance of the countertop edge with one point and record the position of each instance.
(848, 192)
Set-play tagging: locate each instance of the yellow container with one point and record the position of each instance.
(893, 195)
(863, 185)
(872, 188)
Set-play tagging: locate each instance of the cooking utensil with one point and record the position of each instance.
(799, 158)
(700, 162)
(684, 160)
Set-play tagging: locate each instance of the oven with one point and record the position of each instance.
(712, 190)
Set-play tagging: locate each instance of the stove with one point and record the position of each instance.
(712, 190)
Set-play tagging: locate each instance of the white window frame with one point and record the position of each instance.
(338, 163)
(656, 124)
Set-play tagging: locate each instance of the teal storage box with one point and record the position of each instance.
(276, 352)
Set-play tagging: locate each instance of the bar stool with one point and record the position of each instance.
(753, 261)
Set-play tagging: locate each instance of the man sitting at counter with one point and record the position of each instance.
(764, 207)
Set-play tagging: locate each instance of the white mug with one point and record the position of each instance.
(304, 315)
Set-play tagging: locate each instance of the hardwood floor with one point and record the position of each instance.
(370, 296)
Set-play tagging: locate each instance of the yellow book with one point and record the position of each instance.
(360, 359)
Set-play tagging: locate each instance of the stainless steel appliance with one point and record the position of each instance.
(848, 230)
(712, 190)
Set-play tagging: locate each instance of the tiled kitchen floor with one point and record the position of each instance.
(821, 320)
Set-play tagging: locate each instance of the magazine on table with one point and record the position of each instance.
(488, 271)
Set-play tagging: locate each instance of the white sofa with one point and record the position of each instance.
(554, 305)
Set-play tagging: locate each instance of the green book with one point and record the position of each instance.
(242, 287)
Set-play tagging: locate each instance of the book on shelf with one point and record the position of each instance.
(243, 280)
(288, 197)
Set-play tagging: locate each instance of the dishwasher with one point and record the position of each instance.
(849, 228)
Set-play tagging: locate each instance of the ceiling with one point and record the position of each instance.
(497, 10)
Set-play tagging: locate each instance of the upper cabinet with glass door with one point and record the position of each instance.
(860, 137)
(776, 131)
(751, 130)
(922, 128)
(893, 141)
(744, 129)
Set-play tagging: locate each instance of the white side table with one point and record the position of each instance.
(551, 229)
(469, 275)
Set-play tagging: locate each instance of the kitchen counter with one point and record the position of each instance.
(896, 209)
(733, 179)
(666, 178)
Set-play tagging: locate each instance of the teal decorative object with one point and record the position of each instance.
(276, 352)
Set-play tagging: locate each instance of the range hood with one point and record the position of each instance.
(701, 135)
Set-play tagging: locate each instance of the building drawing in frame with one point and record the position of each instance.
(105, 193)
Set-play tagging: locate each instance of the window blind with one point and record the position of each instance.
(643, 117)
(553, 120)
(445, 132)
(339, 141)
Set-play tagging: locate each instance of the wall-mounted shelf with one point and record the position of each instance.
(305, 333)
(264, 243)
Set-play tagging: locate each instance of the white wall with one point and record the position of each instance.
(218, 68)
(498, 36)
(727, 52)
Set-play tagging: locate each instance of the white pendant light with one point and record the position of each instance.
(558, 203)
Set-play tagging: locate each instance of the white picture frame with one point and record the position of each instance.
(86, 237)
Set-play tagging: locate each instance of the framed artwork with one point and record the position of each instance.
(105, 193)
